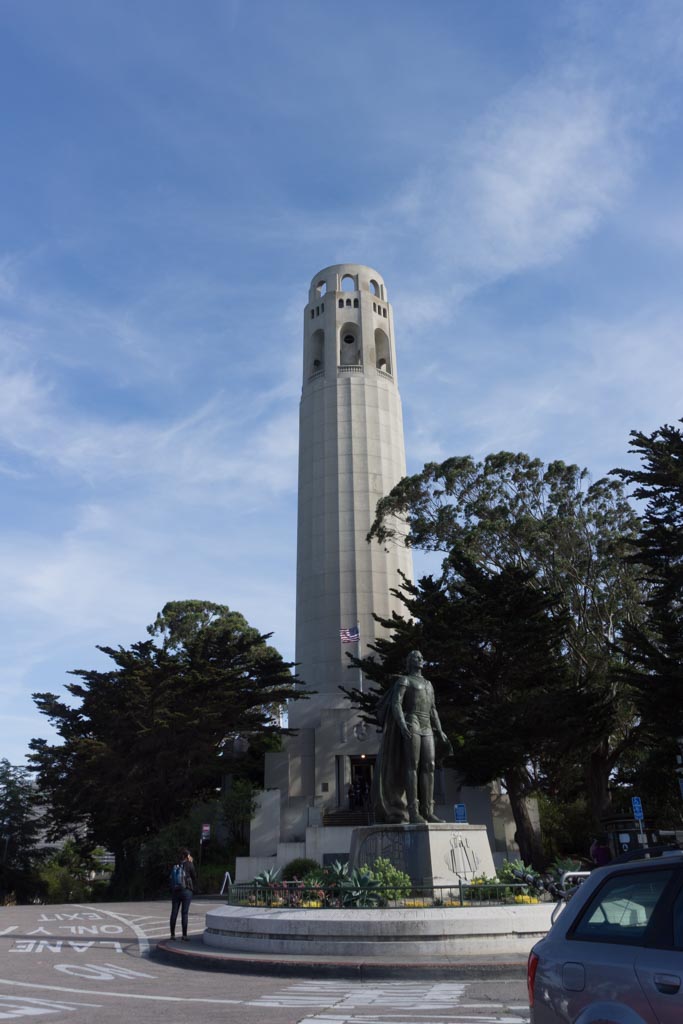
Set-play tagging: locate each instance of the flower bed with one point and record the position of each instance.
(382, 885)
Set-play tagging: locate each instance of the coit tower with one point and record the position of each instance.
(351, 453)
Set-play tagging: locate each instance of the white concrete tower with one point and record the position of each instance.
(351, 453)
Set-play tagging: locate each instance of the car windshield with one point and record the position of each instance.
(621, 909)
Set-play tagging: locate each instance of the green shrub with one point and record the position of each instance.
(211, 878)
(566, 827)
(332, 876)
(506, 873)
(60, 886)
(360, 889)
(336, 872)
(99, 891)
(395, 884)
(269, 876)
(562, 864)
(67, 875)
(299, 868)
(484, 890)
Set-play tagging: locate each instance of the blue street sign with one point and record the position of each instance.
(461, 812)
(637, 808)
(680, 786)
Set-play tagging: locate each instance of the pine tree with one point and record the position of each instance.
(655, 650)
(19, 829)
(153, 734)
(514, 511)
(493, 641)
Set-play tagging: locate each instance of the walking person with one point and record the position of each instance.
(183, 883)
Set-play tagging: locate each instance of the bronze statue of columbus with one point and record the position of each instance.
(404, 778)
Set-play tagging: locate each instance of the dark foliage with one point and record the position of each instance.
(144, 740)
(655, 649)
(570, 536)
(494, 642)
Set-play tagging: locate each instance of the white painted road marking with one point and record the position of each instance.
(334, 1018)
(106, 972)
(393, 997)
(143, 941)
(61, 945)
(13, 1007)
(403, 995)
(119, 995)
(407, 1002)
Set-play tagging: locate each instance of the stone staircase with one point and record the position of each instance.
(345, 818)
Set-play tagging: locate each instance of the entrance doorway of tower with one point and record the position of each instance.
(354, 791)
(359, 793)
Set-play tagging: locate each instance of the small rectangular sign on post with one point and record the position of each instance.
(206, 833)
(637, 808)
(461, 813)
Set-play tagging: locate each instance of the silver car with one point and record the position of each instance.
(615, 953)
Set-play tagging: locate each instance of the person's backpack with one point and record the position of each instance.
(178, 877)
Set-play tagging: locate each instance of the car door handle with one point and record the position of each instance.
(668, 984)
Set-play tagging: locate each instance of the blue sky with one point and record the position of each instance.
(173, 176)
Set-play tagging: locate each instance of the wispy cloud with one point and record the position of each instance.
(575, 401)
(151, 292)
(531, 180)
(210, 447)
(548, 164)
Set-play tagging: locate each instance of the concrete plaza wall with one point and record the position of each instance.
(357, 933)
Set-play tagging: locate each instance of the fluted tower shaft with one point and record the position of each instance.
(351, 453)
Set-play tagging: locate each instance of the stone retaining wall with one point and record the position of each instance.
(366, 933)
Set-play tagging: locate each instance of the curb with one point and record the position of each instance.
(196, 956)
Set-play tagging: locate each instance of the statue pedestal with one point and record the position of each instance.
(439, 854)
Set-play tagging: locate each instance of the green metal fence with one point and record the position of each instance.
(304, 896)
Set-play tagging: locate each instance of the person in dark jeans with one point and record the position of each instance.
(183, 884)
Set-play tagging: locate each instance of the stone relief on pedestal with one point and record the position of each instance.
(462, 859)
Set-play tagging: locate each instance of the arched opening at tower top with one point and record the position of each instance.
(350, 351)
(382, 351)
(317, 352)
(321, 288)
(348, 283)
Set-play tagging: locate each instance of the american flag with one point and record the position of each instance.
(349, 636)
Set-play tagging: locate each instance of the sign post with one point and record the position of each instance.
(679, 763)
(203, 838)
(638, 813)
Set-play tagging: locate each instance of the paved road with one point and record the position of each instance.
(90, 964)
